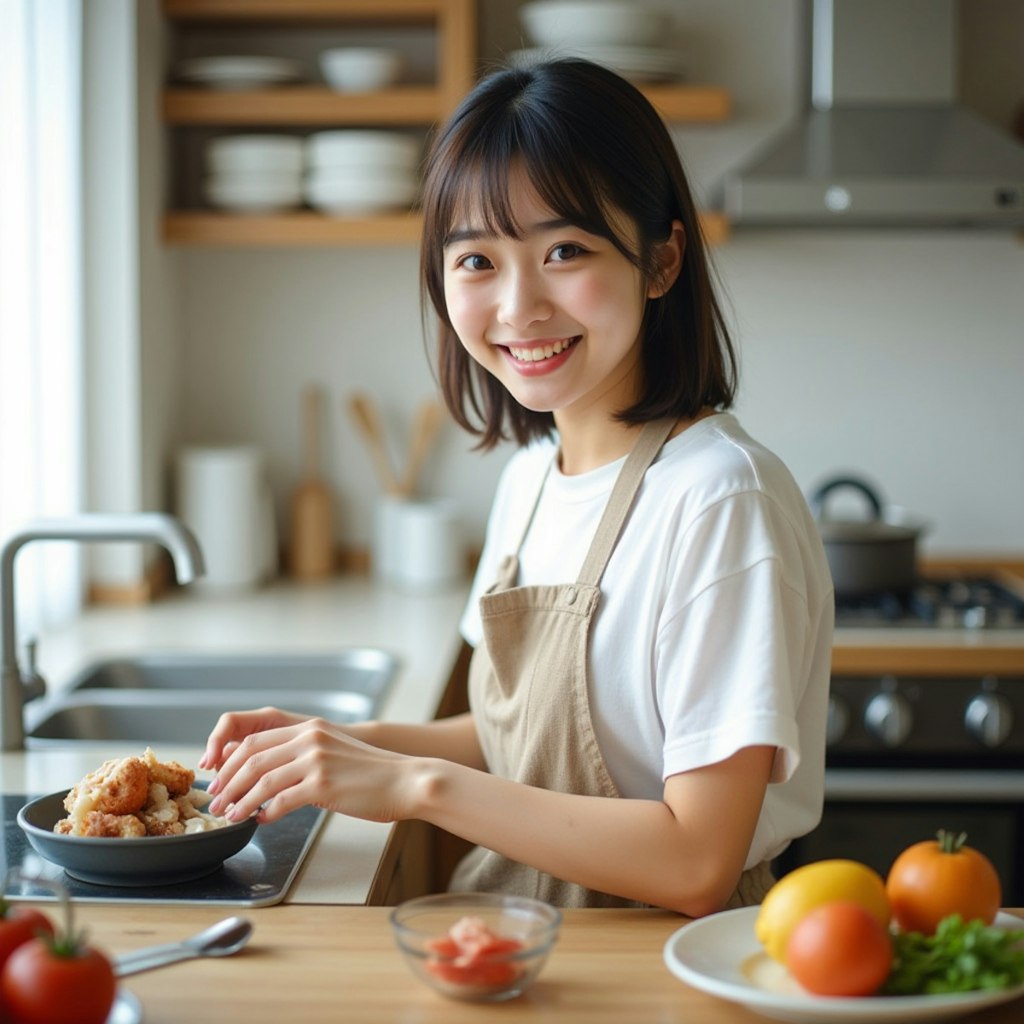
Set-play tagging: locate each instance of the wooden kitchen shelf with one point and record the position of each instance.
(454, 22)
(235, 11)
(304, 105)
(405, 105)
(304, 227)
(315, 106)
(703, 104)
(299, 227)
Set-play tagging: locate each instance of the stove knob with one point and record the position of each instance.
(888, 718)
(838, 720)
(989, 718)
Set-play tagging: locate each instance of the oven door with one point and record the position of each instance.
(871, 815)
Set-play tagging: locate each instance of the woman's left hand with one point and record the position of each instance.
(276, 771)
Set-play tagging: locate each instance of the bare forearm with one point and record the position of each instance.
(637, 849)
(453, 739)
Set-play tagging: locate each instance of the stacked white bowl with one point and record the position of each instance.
(254, 173)
(359, 171)
(361, 68)
(634, 38)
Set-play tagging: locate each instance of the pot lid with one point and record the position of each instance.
(878, 526)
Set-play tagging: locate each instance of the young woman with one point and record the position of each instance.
(652, 614)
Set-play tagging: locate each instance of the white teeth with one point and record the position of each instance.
(534, 355)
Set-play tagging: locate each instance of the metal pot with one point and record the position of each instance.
(867, 556)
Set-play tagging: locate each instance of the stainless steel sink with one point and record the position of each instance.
(177, 698)
(357, 669)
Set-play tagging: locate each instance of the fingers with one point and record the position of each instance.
(246, 762)
(249, 776)
(233, 727)
(273, 795)
(271, 773)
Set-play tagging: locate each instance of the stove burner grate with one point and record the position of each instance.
(968, 603)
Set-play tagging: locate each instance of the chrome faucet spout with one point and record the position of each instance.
(157, 527)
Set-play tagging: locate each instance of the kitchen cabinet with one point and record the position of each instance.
(294, 108)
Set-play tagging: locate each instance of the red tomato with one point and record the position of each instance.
(17, 926)
(40, 986)
(938, 877)
(839, 949)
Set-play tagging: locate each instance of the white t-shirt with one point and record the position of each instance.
(714, 629)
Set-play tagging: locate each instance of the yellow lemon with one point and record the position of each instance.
(807, 887)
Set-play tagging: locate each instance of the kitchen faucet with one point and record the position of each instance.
(157, 527)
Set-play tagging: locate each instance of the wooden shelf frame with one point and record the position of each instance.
(304, 105)
(453, 20)
(293, 228)
(308, 228)
(317, 106)
(690, 104)
(403, 105)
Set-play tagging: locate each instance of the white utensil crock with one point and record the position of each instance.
(417, 544)
(224, 496)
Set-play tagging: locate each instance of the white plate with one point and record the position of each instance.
(721, 955)
(241, 72)
(126, 1009)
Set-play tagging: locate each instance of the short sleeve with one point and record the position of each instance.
(732, 648)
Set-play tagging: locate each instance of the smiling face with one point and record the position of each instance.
(555, 314)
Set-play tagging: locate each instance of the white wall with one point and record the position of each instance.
(896, 354)
(111, 279)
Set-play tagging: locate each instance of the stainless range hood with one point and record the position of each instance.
(885, 143)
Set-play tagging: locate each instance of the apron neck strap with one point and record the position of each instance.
(648, 444)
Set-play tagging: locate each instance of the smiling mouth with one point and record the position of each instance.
(539, 353)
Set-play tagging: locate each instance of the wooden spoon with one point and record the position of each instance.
(364, 414)
(425, 428)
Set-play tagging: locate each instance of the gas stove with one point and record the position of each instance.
(977, 603)
(925, 724)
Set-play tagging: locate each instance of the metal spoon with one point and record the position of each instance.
(222, 939)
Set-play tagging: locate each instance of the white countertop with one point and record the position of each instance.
(420, 629)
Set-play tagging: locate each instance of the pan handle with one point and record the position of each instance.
(817, 499)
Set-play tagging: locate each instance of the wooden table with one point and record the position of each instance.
(319, 963)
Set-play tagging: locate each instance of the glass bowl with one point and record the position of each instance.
(477, 947)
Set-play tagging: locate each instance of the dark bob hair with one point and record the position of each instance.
(590, 144)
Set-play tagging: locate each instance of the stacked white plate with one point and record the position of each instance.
(360, 171)
(237, 72)
(619, 34)
(254, 173)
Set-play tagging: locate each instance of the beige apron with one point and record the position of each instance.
(529, 692)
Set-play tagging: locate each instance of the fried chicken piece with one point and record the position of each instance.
(136, 796)
(117, 787)
(113, 826)
(176, 777)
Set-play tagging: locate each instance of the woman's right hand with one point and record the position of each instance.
(234, 726)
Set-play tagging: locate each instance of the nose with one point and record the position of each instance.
(523, 299)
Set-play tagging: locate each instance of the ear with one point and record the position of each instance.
(669, 255)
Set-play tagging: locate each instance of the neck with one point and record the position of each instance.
(583, 448)
(587, 446)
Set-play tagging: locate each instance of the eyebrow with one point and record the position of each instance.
(475, 234)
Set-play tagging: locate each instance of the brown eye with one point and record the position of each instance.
(566, 251)
(474, 261)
